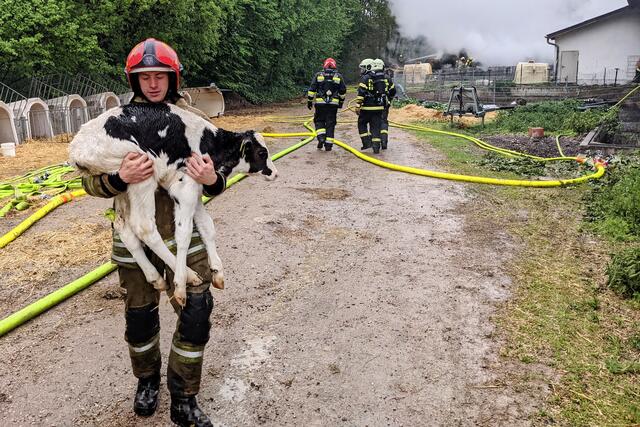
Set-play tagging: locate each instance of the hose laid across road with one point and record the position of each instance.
(29, 312)
(24, 225)
(598, 166)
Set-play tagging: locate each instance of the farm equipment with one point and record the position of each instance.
(463, 101)
(207, 99)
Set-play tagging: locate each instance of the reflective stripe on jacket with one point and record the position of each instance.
(121, 256)
(367, 97)
(319, 94)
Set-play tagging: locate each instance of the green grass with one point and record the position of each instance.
(556, 117)
(460, 152)
(464, 157)
(561, 314)
(613, 205)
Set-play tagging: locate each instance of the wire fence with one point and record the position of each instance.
(497, 86)
(57, 105)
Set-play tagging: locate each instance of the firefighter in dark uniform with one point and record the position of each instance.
(378, 67)
(370, 104)
(153, 71)
(327, 92)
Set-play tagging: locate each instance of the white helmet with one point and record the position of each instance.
(366, 65)
(378, 65)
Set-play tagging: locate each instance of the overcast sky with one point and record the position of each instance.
(496, 32)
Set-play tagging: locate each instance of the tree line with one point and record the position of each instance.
(263, 49)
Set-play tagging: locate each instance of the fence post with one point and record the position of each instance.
(615, 81)
(494, 91)
(605, 76)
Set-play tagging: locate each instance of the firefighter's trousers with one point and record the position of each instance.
(325, 120)
(192, 328)
(384, 128)
(369, 126)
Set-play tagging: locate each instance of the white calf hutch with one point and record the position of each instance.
(7, 125)
(68, 113)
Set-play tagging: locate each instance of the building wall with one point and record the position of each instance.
(606, 44)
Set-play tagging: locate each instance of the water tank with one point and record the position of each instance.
(528, 73)
(416, 73)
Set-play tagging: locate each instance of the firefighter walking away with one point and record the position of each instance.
(370, 104)
(390, 90)
(327, 92)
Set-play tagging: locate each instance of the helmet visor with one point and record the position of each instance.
(166, 55)
(135, 56)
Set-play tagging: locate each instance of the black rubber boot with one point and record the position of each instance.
(320, 144)
(376, 147)
(146, 401)
(366, 143)
(328, 146)
(186, 412)
(384, 144)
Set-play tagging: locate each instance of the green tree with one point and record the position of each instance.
(373, 28)
(46, 37)
(192, 27)
(264, 49)
(271, 47)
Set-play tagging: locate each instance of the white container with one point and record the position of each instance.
(8, 149)
(531, 73)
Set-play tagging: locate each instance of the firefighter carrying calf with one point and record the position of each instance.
(328, 92)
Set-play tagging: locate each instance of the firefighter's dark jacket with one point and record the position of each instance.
(368, 98)
(327, 88)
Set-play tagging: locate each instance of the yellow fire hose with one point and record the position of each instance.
(634, 90)
(24, 225)
(600, 170)
(65, 292)
(598, 166)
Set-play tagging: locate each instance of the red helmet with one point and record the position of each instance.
(330, 63)
(153, 55)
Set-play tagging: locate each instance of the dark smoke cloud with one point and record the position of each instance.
(495, 32)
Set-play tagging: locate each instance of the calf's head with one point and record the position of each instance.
(254, 156)
(244, 152)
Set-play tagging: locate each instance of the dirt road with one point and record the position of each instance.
(355, 296)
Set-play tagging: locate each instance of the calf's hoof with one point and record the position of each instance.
(217, 279)
(193, 279)
(160, 284)
(180, 295)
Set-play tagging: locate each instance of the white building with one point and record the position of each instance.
(599, 49)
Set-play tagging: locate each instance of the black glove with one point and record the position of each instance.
(309, 105)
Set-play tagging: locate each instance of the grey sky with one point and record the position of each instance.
(496, 32)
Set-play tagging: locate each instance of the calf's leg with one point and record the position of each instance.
(186, 194)
(133, 244)
(207, 230)
(142, 212)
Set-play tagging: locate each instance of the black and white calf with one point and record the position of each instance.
(168, 135)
